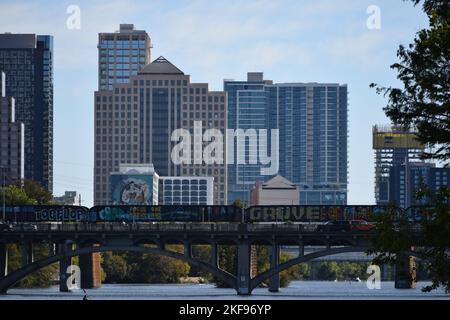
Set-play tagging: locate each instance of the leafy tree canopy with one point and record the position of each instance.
(424, 69)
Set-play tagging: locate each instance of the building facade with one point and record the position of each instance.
(12, 135)
(122, 54)
(187, 190)
(134, 184)
(393, 146)
(405, 181)
(134, 123)
(69, 198)
(276, 191)
(312, 123)
(27, 60)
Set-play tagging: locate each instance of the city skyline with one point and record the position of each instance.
(356, 56)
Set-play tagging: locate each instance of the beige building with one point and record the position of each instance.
(134, 122)
(276, 191)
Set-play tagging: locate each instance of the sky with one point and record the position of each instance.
(289, 40)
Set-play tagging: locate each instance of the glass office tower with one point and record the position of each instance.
(122, 54)
(312, 123)
(27, 60)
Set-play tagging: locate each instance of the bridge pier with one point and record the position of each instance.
(274, 282)
(64, 263)
(301, 250)
(405, 272)
(187, 249)
(214, 255)
(243, 272)
(3, 260)
(51, 249)
(385, 272)
(90, 269)
(26, 249)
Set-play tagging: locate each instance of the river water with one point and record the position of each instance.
(322, 290)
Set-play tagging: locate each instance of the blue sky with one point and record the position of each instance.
(290, 41)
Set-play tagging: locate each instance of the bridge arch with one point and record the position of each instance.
(256, 281)
(15, 276)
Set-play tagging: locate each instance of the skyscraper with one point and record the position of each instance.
(11, 138)
(312, 123)
(27, 60)
(405, 180)
(134, 122)
(122, 54)
(393, 146)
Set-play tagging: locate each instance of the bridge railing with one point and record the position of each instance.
(185, 227)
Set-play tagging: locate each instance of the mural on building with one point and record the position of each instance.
(132, 190)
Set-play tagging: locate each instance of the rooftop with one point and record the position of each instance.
(161, 66)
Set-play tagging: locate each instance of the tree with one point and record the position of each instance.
(115, 267)
(15, 196)
(29, 193)
(423, 104)
(424, 70)
(328, 271)
(35, 191)
(396, 234)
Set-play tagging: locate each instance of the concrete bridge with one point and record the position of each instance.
(83, 240)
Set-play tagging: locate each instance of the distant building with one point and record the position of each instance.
(276, 191)
(134, 184)
(12, 135)
(187, 190)
(69, 198)
(404, 182)
(27, 60)
(393, 146)
(134, 122)
(312, 123)
(122, 54)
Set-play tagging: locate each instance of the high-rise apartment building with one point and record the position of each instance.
(312, 123)
(393, 146)
(134, 122)
(27, 60)
(122, 54)
(11, 138)
(405, 182)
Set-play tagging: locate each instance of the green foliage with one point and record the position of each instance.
(328, 271)
(36, 192)
(227, 262)
(28, 193)
(395, 236)
(203, 253)
(115, 267)
(392, 236)
(15, 196)
(142, 268)
(41, 278)
(424, 68)
(332, 270)
(239, 203)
